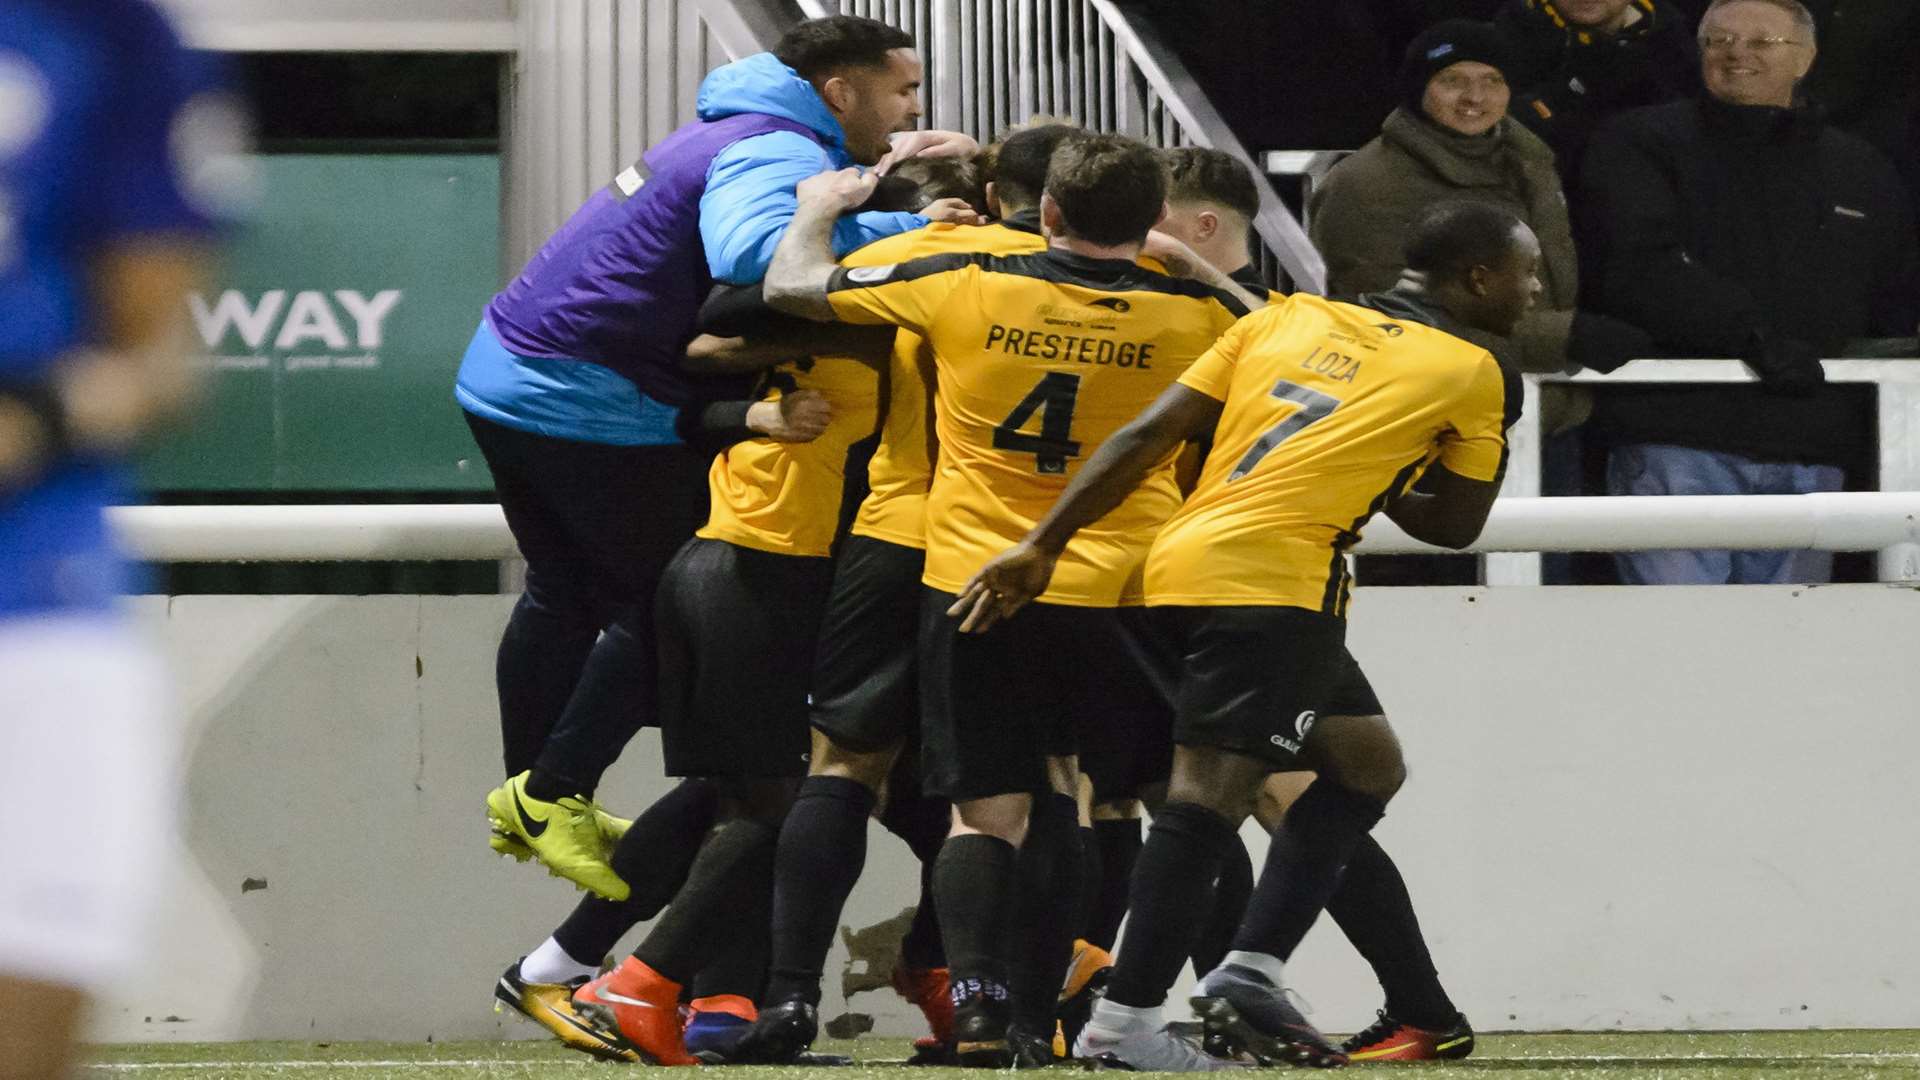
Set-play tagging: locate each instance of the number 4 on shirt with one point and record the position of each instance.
(1053, 398)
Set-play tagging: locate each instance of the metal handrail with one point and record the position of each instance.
(1839, 521)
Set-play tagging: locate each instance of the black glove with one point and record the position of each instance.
(1786, 366)
(1603, 343)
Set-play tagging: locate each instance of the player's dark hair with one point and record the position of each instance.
(1197, 174)
(932, 178)
(819, 47)
(1450, 239)
(1110, 189)
(1019, 169)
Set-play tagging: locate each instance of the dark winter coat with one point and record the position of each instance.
(1566, 81)
(1710, 224)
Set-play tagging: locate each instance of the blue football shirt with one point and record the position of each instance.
(110, 131)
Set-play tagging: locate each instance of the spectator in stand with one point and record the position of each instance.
(1451, 139)
(1577, 62)
(1860, 42)
(1741, 224)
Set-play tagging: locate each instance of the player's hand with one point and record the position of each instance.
(843, 189)
(953, 212)
(907, 144)
(1002, 587)
(801, 416)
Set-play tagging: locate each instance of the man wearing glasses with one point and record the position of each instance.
(1743, 225)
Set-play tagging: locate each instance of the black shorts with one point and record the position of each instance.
(1255, 679)
(737, 634)
(1049, 682)
(1133, 749)
(866, 695)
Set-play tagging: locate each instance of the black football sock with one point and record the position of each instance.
(1373, 909)
(923, 949)
(653, 859)
(974, 887)
(1119, 847)
(740, 967)
(1173, 880)
(1230, 894)
(1046, 911)
(1089, 882)
(1304, 860)
(659, 848)
(823, 846)
(922, 821)
(730, 873)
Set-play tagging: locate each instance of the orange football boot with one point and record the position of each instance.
(640, 1005)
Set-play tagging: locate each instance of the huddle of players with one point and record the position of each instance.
(1065, 380)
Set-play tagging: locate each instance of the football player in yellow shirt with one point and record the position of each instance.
(1321, 415)
(1211, 202)
(1037, 360)
(737, 614)
(865, 693)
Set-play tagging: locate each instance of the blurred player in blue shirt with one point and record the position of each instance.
(120, 159)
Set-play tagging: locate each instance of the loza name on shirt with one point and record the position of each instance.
(1339, 367)
(1045, 345)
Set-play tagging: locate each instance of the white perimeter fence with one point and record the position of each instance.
(1841, 521)
(1649, 783)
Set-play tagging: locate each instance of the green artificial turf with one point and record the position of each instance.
(1829, 1055)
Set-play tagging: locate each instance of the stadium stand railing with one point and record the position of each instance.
(593, 85)
(1836, 521)
(1897, 436)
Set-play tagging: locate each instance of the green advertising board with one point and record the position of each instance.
(336, 324)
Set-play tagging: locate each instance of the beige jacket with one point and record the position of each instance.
(1361, 215)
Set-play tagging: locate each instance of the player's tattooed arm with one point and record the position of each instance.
(1182, 261)
(803, 263)
(1015, 576)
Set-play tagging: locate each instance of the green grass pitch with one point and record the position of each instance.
(1828, 1055)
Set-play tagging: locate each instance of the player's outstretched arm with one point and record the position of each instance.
(740, 332)
(1020, 573)
(1182, 261)
(1445, 508)
(803, 263)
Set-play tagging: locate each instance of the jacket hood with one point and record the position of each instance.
(762, 84)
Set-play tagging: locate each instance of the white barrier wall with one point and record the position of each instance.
(1637, 808)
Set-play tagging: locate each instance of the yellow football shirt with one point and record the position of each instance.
(902, 466)
(1330, 409)
(1039, 358)
(786, 497)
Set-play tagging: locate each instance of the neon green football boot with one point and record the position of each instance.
(566, 835)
